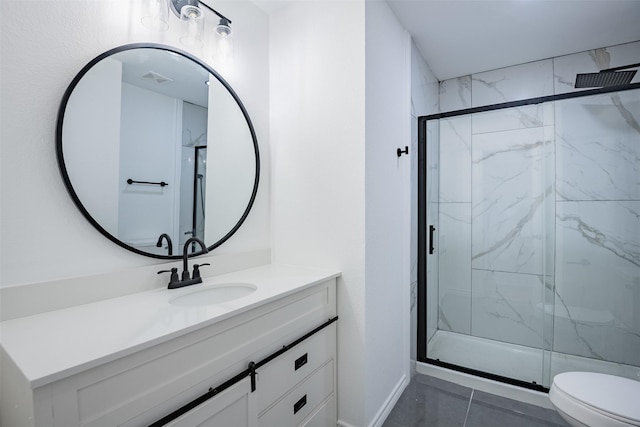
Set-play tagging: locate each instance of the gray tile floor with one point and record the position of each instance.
(432, 402)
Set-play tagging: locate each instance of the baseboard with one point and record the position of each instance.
(391, 401)
(386, 408)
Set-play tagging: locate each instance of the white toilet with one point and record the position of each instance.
(588, 399)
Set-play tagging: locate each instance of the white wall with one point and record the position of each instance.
(329, 167)
(98, 156)
(340, 193)
(229, 180)
(148, 151)
(387, 210)
(44, 44)
(318, 182)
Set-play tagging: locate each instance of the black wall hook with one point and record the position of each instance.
(401, 152)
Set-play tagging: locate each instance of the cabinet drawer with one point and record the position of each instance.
(325, 416)
(294, 407)
(283, 373)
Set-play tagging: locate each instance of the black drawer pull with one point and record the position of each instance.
(300, 362)
(431, 246)
(299, 404)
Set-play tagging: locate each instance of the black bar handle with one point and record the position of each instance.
(252, 374)
(299, 404)
(400, 152)
(431, 247)
(161, 183)
(300, 362)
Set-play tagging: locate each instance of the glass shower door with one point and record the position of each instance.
(532, 220)
(490, 273)
(597, 309)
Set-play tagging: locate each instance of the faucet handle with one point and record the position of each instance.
(174, 275)
(196, 270)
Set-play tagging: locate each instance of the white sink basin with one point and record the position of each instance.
(213, 294)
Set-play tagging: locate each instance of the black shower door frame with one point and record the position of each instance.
(423, 229)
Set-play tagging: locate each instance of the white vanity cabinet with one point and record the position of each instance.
(295, 388)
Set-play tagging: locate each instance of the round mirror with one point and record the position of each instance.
(155, 147)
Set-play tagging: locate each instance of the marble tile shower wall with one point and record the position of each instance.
(598, 227)
(505, 263)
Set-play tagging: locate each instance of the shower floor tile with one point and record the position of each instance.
(429, 401)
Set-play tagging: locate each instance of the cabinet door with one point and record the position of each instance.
(233, 407)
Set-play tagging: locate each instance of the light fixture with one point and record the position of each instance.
(222, 44)
(222, 48)
(177, 5)
(223, 28)
(192, 26)
(155, 15)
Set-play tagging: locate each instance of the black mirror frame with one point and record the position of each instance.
(65, 175)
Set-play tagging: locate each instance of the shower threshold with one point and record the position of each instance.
(523, 365)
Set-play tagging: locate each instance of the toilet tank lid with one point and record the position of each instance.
(616, 395)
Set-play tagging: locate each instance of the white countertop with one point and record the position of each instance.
(54, 345)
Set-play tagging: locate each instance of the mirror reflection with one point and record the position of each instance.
(156, 148)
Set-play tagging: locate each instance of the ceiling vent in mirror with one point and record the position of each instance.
(156, 77)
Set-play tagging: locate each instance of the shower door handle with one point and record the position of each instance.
(431, 230)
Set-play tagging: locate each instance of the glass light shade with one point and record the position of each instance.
(155, 14)
(222, 53)
(224, 28)
(192, 23)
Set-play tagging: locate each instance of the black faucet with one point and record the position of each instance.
(168, 239)
(187, 279)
